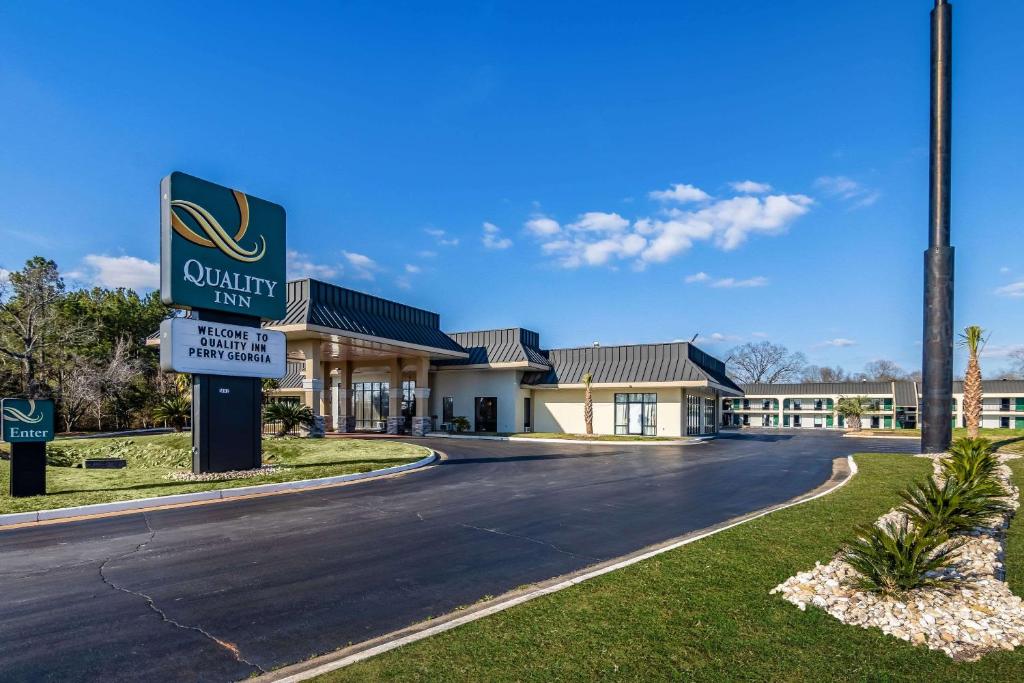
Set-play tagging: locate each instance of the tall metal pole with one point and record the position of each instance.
(937, 366)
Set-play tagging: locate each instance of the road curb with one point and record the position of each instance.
(843, 470)
(125, 506)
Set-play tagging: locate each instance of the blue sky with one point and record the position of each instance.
(621, 172)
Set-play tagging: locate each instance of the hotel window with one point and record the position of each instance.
(636, 414)
(692, 415)
(818, 422)
(408, 400)
(819, 404)
(796, 421)
(447, 409)
(1004, 423)
(746, 420)
(766, 404)
(709, 416)
(746, 404)
(370, 404)
(798, 404)
(766, 420)
(1004, 405)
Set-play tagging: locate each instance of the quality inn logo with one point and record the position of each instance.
(31, 418)
(213, 234)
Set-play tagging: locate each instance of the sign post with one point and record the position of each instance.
(222, 255)
(27, 425)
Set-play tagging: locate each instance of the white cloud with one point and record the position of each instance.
(5, 276)
(598, 221)
(734, 283)
(442, 237)
(759, 335)
(1004, 269)
(412, 269)
(492, 237)
(1014, 289)
(1004, 351)
(727, 282)
(751, 187)
(717, 338)
(427, 253)
(839, 342)
(118, 271)
(848, 190)
(599, 238)
(542, 226)
(681, 193)
(363, 267)
(301, 266)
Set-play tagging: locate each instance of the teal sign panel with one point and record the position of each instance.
(221, 249)
(23, 420)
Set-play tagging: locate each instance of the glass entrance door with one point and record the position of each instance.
(486, 414)
(636, 419)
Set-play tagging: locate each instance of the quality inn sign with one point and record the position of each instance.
(220, 249)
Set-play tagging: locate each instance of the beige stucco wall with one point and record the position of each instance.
(463, 386)
(561, 410)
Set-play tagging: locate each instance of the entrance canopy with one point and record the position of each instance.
(353, 326)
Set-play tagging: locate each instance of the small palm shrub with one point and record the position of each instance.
(173, 409)
(288, 415)
(461, 424)
(895, 557)
(971, 460)
(955, 506)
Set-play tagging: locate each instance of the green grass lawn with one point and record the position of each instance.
(1008, 440)
(152, 458)
(703, 612)
(594, 437)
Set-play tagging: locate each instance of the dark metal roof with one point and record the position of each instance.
(813, 388)
(995, 386)
(676, 362)
(294, 374)
(906, 393)
(510, 345)
(312, 302)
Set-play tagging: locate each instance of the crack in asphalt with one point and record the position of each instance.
(151, 604)
(531, 540)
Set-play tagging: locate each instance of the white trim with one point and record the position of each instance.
(689, 441)
(514, 600)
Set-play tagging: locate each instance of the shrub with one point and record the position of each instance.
(289, 415)
(955, 506)
(174, 409)
(971, 461)
(460, 423)
(896, 558)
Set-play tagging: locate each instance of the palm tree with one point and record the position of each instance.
(174, 409)
(973, 338)
(852, 408)
(289, 415)
(588, 403)
(183, 383)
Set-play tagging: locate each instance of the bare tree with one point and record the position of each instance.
(113, 378)
(814, 373)
(884, 371)
(77, 382)
(765, 362)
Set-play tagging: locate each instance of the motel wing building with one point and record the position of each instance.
(363, 363)
(893, 405)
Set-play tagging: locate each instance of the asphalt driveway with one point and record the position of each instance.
(219, 592)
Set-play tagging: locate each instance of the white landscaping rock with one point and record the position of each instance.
(977, 616)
